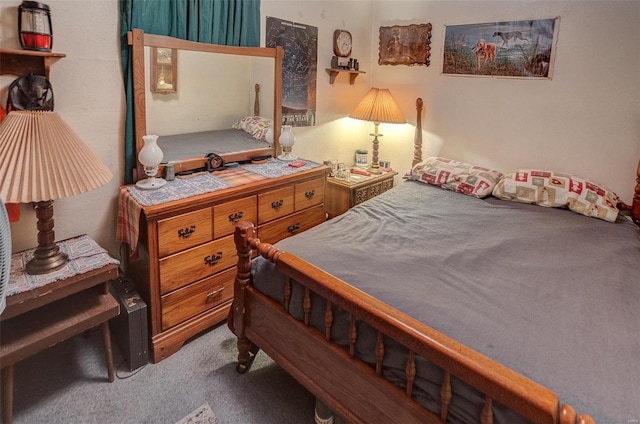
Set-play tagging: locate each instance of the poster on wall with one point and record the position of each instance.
(299, 69)
(516, 49)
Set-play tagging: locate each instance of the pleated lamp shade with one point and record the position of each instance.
(42, 158)
(378, 106)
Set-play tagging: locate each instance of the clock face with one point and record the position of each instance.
(164, 55)
(342, 43)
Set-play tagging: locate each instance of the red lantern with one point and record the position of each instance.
(34, 26)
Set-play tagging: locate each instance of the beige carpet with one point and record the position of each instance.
(202, 415)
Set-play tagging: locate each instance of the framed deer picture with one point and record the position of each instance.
(516, 49)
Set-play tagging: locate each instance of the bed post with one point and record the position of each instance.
(417, 140)
(244, 230)
(256, 101)
(635, 204)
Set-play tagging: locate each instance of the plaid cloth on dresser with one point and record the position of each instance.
(128, 223)
(132, 199)
(240, 176)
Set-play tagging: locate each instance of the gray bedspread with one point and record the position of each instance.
(549, 293)
(198, 144)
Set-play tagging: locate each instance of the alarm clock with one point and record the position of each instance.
(342, 43)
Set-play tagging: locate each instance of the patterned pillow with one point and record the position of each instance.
(257, 126)
(456, 176)
(555, 189)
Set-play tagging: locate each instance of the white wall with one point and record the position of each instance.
(585, 120)
(334, 136)
(89, 96)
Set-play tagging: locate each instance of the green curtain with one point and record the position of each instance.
(228, 22)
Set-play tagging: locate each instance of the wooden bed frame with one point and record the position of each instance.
(351, 388)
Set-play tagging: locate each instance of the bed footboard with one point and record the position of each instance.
(354, 389)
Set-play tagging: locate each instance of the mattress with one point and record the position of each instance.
(199, 144)
(549, 293)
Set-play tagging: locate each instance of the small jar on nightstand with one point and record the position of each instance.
(341, 195)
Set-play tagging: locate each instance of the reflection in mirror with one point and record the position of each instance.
(216, 91)
(218, 87)
(164, 70)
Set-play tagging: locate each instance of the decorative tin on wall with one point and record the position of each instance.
(516, 49)
(405, 45)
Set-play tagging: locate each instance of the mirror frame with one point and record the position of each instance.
(138, 40)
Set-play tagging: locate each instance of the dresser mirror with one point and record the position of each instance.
(216, 87)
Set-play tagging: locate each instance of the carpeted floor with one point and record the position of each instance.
(68, 384)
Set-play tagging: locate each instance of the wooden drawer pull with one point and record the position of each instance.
(214, 295)
(235, 217)
(277, 204)
(293, 228)
(310, 194)
(212, 260)
(186, 232)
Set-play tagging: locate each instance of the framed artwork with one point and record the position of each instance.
(164, 70)
(405, 45)
(511, 49)
(299, 69)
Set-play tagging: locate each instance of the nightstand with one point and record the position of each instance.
(344, 194)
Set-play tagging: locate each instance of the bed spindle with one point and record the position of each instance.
(445, 396)
(287, 294)
(379, 354)
(568, 416)
(487, 411)
(353, 336)
(306, 305)
(328, 321)
(411, 372)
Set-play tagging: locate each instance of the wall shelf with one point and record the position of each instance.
(333, 73)
(19, 62)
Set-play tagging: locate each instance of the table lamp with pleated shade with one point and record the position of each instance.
(378, 106)
(41, 160)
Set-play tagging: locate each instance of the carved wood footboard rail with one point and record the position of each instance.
(353, 388)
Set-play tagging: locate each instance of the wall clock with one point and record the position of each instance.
(342, 43)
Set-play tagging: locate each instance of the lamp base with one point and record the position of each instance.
(44, 262)
(287, 157)
(374, 170)
(47, 256)
(151, 183)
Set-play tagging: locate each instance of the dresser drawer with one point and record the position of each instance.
(275, 204)
(226, 215)
(292, 224)
(365, 193)
(196, 263)
(184, 231)
(309, 193)
(195, 298)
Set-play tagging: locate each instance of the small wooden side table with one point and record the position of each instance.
(44, 316)
(342, 195)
